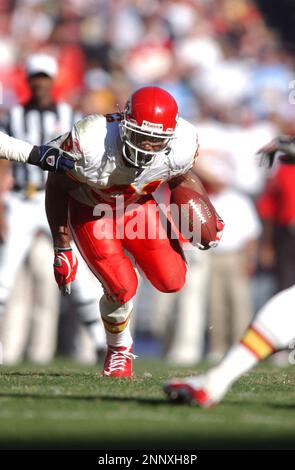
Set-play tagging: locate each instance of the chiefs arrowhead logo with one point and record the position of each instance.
(50, 160)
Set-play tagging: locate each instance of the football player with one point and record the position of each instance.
(123, 156)
(272, 329)
(46, 157)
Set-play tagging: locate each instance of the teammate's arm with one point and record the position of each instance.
(65, 263)
(284, 144)
(46, 157)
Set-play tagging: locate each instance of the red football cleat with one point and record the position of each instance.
(118, 362)
(179, 391)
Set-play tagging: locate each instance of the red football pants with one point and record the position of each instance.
(159, 257)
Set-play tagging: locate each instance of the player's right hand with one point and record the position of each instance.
(65, 268)
(219, 231)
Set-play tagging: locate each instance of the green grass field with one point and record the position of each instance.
(66, 406)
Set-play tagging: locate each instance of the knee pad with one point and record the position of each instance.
(115, 312)
(171, 284)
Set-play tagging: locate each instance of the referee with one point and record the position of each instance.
(38, 121)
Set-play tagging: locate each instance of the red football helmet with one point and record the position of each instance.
(148, 125)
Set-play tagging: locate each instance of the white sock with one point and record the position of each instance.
(275, 325)
(217, 381)
(123, 338)
(236, 362)
(116, 317)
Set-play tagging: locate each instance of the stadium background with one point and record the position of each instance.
(229, 64)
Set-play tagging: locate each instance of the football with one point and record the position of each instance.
(194, 215)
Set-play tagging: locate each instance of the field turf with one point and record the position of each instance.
(68, 406)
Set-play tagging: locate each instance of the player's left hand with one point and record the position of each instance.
(219, 231)
(65, 268)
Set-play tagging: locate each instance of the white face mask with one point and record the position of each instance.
(137, 158)
(141, 147)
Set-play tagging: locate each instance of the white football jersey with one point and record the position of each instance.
(97, 147)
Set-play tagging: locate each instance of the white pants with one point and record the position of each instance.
(31, 315)
(36, 315)
(25, 218)
(188, 339)
(179, 319)
(276, 319)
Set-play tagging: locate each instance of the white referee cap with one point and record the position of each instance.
(41, 63)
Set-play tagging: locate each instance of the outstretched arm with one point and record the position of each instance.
(14, 149)
(46, 157)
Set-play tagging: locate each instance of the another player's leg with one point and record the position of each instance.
(44, 310)
(107, 260)
(272, 329)
(18, 239)
(86, 292)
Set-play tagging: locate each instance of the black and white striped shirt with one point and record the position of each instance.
(37, 126)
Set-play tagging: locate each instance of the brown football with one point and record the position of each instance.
(194, 215)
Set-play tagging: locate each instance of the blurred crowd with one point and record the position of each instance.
(232, 77)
